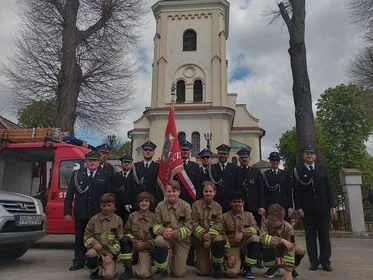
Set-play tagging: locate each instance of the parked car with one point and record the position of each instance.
(22, 222)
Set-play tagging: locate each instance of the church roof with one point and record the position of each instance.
(236, 144)
(7, 124)
(262, 164)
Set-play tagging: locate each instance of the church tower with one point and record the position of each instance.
(190, 51)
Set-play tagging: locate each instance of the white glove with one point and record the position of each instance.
(128, 208)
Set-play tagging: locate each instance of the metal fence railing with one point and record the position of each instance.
(368, 216)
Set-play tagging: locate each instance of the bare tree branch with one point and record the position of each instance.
(285, 15)
(78, 52)
(58, 6)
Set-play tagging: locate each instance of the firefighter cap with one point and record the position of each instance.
(149, 145)
(185, 145)
(223, 149)
(205, 153)
(103, 148)
(92, 155)
(244, 152)
(126, 158)
(274, 156)
(310, 149)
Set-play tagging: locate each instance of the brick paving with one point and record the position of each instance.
(49, 259)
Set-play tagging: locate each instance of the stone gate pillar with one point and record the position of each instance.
(351, 183)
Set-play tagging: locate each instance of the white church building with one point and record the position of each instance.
(190, 51)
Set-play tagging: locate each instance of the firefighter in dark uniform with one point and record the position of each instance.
(203, 175)
(225, 176)
(86, 187)
(122, 183)
(145, 174)
(191, 168)
(251, 183)
(104, 151)
(313, 199)
(277, 186)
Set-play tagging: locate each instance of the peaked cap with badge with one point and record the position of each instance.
(103, 148)
(186, 145)
(244, 152)
(92, 155)
(223, 149)
(126, 158)
(205, 153)
(274, 156)
(310, 149)
(149, 145)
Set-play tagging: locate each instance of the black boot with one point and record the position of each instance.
(94, 275)
(216, 271)
(190, 259)
(159, 275)
(127, 273)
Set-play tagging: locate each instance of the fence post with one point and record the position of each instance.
(351, 183)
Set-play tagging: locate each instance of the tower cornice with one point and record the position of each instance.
(191, 5)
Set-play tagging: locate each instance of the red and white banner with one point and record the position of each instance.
(187, 183)
(171, 161)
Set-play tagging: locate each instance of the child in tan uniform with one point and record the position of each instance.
(173, 229)
(208, 232)
(101, 237)
(139, 229)
(279, 250)
(242, 231)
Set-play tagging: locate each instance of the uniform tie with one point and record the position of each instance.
(90, 177)
(223, 167)
(146, 165)
(311, 168)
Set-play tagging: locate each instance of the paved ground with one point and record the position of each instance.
(50, 258)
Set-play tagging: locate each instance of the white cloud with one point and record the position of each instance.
(331, 41)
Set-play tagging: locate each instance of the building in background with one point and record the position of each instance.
(190, 51)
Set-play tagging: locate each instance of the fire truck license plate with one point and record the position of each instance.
(28, 220)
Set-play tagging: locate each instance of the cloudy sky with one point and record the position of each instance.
(259, 67)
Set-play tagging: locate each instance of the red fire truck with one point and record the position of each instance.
(37, 162)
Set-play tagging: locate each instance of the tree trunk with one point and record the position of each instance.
(70, 73)
(304, 117)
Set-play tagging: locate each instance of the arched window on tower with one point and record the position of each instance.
(189, 40)
(195, 143)
(181, 136)
(180, 91)
(197, 91)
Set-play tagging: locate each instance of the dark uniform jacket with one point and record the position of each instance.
(251, 184)
(148, 176)
(123, 189)
(108, 168)
(226, 183)
(277, 188)
(192, 169)
(86, 192)
(312, 190)
(203, 175)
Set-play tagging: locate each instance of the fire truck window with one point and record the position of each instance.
(66, 169)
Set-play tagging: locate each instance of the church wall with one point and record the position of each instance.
(219, 127)
(250, 140)
(187, 60)
(243, 119)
